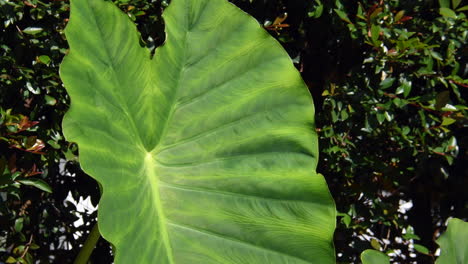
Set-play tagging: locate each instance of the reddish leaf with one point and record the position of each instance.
(405, 18)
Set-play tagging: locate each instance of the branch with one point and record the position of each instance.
(27, 248)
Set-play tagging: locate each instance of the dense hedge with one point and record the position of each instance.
(389, 83)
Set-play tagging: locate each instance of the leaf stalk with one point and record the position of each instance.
(88, 246)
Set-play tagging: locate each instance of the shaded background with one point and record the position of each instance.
(389, 83)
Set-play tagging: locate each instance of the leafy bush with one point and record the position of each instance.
(452, 243)
(36, 225)
(392, 126)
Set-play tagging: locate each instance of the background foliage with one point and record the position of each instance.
(389, 83)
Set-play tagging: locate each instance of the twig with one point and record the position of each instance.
(458, 83)
(26, 248)
(411, 103)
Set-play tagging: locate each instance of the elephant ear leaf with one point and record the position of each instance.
(207, 152)
(454, 243)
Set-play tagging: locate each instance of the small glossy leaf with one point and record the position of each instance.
(53, 144)
(375, 244)
(455, 3)
(399, 15)
(436, 55)
(371, 256)
(50, 100)
(207, 152)
(388, 116)
(380, 117)
(387, 83)
(444, 3)
(32, 89)
(375, 34)
(346, 219)
(447, 12)
(34, 246)
(44, 59)
(448, 121)
(343, 15)
(318, 10)
(376, 12)
(19, 224)
(10, 260)
(400, 90)
(38, 183)
(404, 88)
(32, 30)
(15, 175)
(421, 249)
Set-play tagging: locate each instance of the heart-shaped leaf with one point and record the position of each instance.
(206, 153)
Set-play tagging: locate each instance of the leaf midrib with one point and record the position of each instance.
(162, 222)
(152, 154)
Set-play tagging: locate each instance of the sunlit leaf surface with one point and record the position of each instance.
(207, 152)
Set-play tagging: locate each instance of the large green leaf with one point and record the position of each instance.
(454, 243)
(206, 153)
